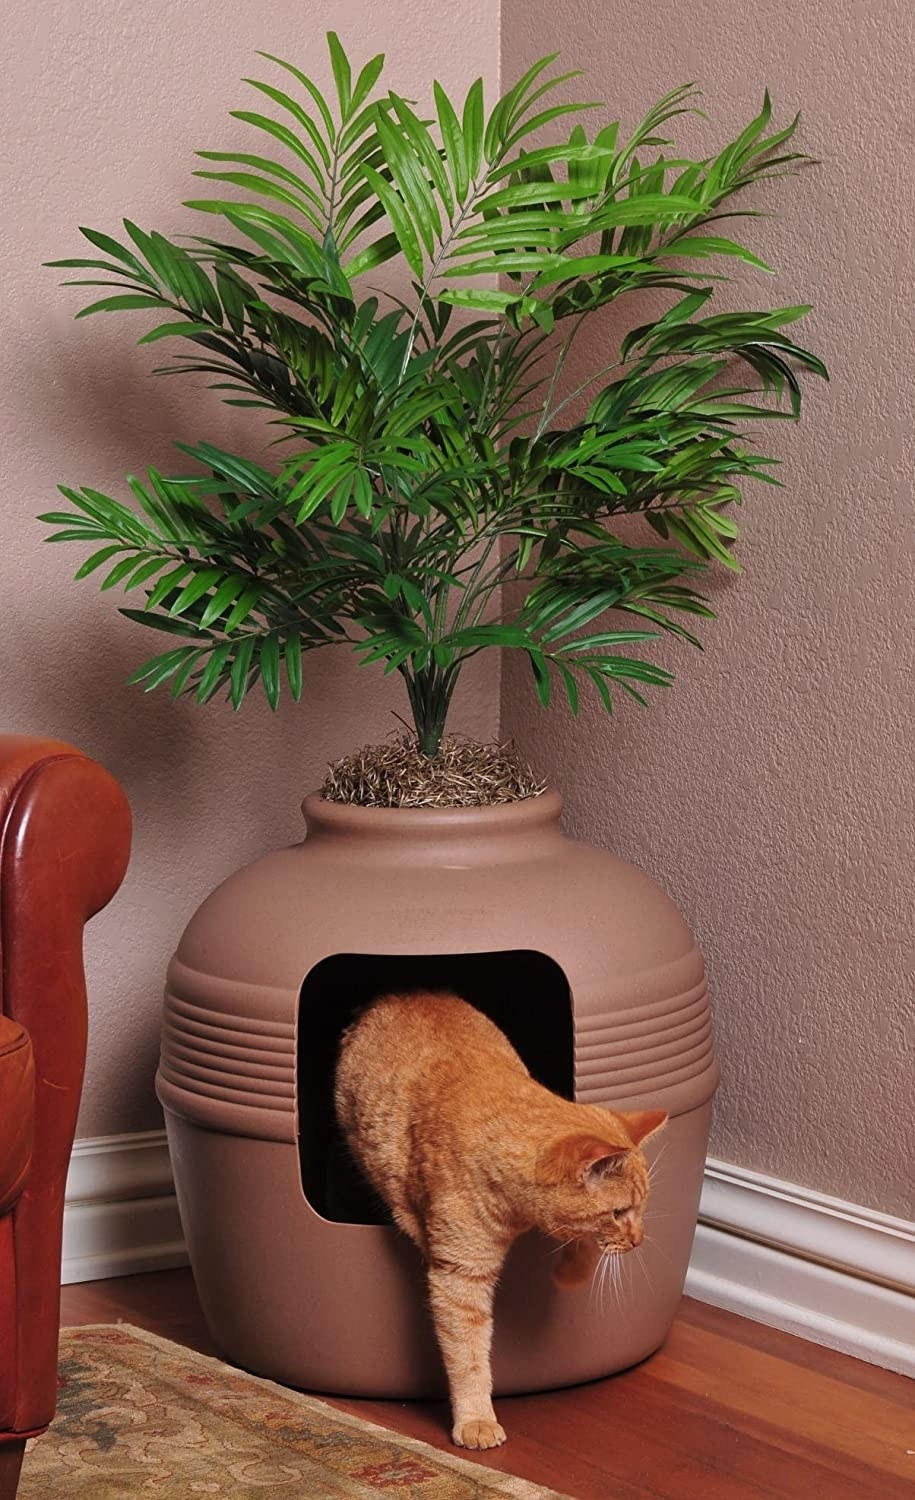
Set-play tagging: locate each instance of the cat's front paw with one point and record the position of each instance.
(479, 1432)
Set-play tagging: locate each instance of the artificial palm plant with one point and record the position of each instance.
(429, 448)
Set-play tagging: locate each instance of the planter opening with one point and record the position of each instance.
(524, 992)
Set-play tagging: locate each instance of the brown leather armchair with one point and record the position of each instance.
(64, 845)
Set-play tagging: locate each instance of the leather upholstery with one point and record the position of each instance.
(17, 1109)
(64, 845)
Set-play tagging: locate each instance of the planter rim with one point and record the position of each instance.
(528, 814)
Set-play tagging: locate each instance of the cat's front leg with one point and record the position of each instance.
(461, 1301)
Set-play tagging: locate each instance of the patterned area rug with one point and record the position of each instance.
(141, 1417)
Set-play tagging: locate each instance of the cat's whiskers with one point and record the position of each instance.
(644, 1270)
(602, 1271)
(610, 1273)
(608, 1276)
(616, 1275)
(653, 1165)
(611, 1276)
(657, 1246)
(595, 1278)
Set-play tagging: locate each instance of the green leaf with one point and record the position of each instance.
(270, 668)
(485, 298)
(191, 662)
(366, 81)
(705, 245)
(241, 668)
(382, 250)
(166, 585)
(601, 639)
(124, 302)
(546, 117)
(96, 560)
(263, 164)
(421, 140)
(472, 127)
(174, 330)
(242, 472)
(300, 115)
(247, 602)
(119, 572)
(289, 139)
(567, 267)
(163, 622)
(534, 195)
(226, 594)
(570, 685)
(75, 534)
(318, 98)
(453, 139)
(159, 668)
(292, 653)
(234, 296)
(267, 189)
(111, 247)
(144, 572)
(541, 672)
(342, 75)
(401, 222)
(213, 673)
(410, 184)
(199, 585)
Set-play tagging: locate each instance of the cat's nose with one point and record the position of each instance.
(636, 1235)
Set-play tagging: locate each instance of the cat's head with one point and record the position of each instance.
(593, 1184)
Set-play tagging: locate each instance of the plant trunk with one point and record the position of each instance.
(430, 693)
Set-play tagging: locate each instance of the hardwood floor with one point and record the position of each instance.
(728, 1410)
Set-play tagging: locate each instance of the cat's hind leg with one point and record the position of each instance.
(461, 1302)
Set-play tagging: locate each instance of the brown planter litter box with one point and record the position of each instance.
(581, 960)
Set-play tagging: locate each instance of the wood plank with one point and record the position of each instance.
(801, 1403)
(728, 1410)
(844, 1367)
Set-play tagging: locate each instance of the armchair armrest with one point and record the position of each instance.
(64, 846)
(17, 1110)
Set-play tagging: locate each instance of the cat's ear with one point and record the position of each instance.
(583, 1158)
(642, 1123)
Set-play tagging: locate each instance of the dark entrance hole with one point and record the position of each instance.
(524, 993)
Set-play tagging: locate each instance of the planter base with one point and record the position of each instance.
(341, 1308)
(583, 962)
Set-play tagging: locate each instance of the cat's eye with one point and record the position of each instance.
(620, 1213)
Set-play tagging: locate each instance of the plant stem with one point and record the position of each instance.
(557, 372)
(429, 691)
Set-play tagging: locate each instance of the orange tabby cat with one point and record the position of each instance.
(468, 1151)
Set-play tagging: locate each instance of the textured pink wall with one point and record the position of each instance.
(771, 790)
(104, 103)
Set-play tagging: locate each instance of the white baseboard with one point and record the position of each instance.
(832, 1272)
(829, 1271)
(120, 1211)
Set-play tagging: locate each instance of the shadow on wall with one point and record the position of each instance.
(112, 415)
(71, 682)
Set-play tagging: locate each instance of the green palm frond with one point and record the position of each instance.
(429, 451)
